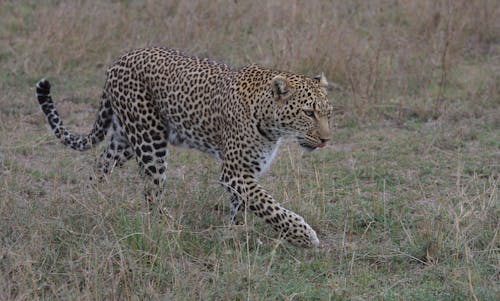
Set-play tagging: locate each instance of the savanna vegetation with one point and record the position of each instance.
(405, 199)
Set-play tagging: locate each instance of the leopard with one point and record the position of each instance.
(155, 97)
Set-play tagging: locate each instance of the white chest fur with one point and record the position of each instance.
(268, 158)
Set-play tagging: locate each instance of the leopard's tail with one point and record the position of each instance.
(75, 141)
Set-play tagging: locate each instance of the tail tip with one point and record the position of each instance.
(43, 87)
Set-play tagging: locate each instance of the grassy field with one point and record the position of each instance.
(405, 199)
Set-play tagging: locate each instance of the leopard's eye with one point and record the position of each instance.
(309, 113)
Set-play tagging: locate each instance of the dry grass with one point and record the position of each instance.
(405, 200)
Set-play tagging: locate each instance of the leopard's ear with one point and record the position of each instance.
(281, 88)
(321, 78)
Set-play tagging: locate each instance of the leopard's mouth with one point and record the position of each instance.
(309, 146)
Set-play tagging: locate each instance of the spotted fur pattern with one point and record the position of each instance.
(155, 97)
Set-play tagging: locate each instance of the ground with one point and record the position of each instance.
(405, 198)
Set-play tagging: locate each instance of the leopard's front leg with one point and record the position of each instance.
(289, 224)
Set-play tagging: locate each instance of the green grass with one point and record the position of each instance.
(404, 199)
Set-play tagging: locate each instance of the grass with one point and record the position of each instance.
(404, 200)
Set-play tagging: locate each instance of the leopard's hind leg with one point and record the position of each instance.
(147, 137)
(116, 153)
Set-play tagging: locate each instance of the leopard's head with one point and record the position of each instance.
(303, 109)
